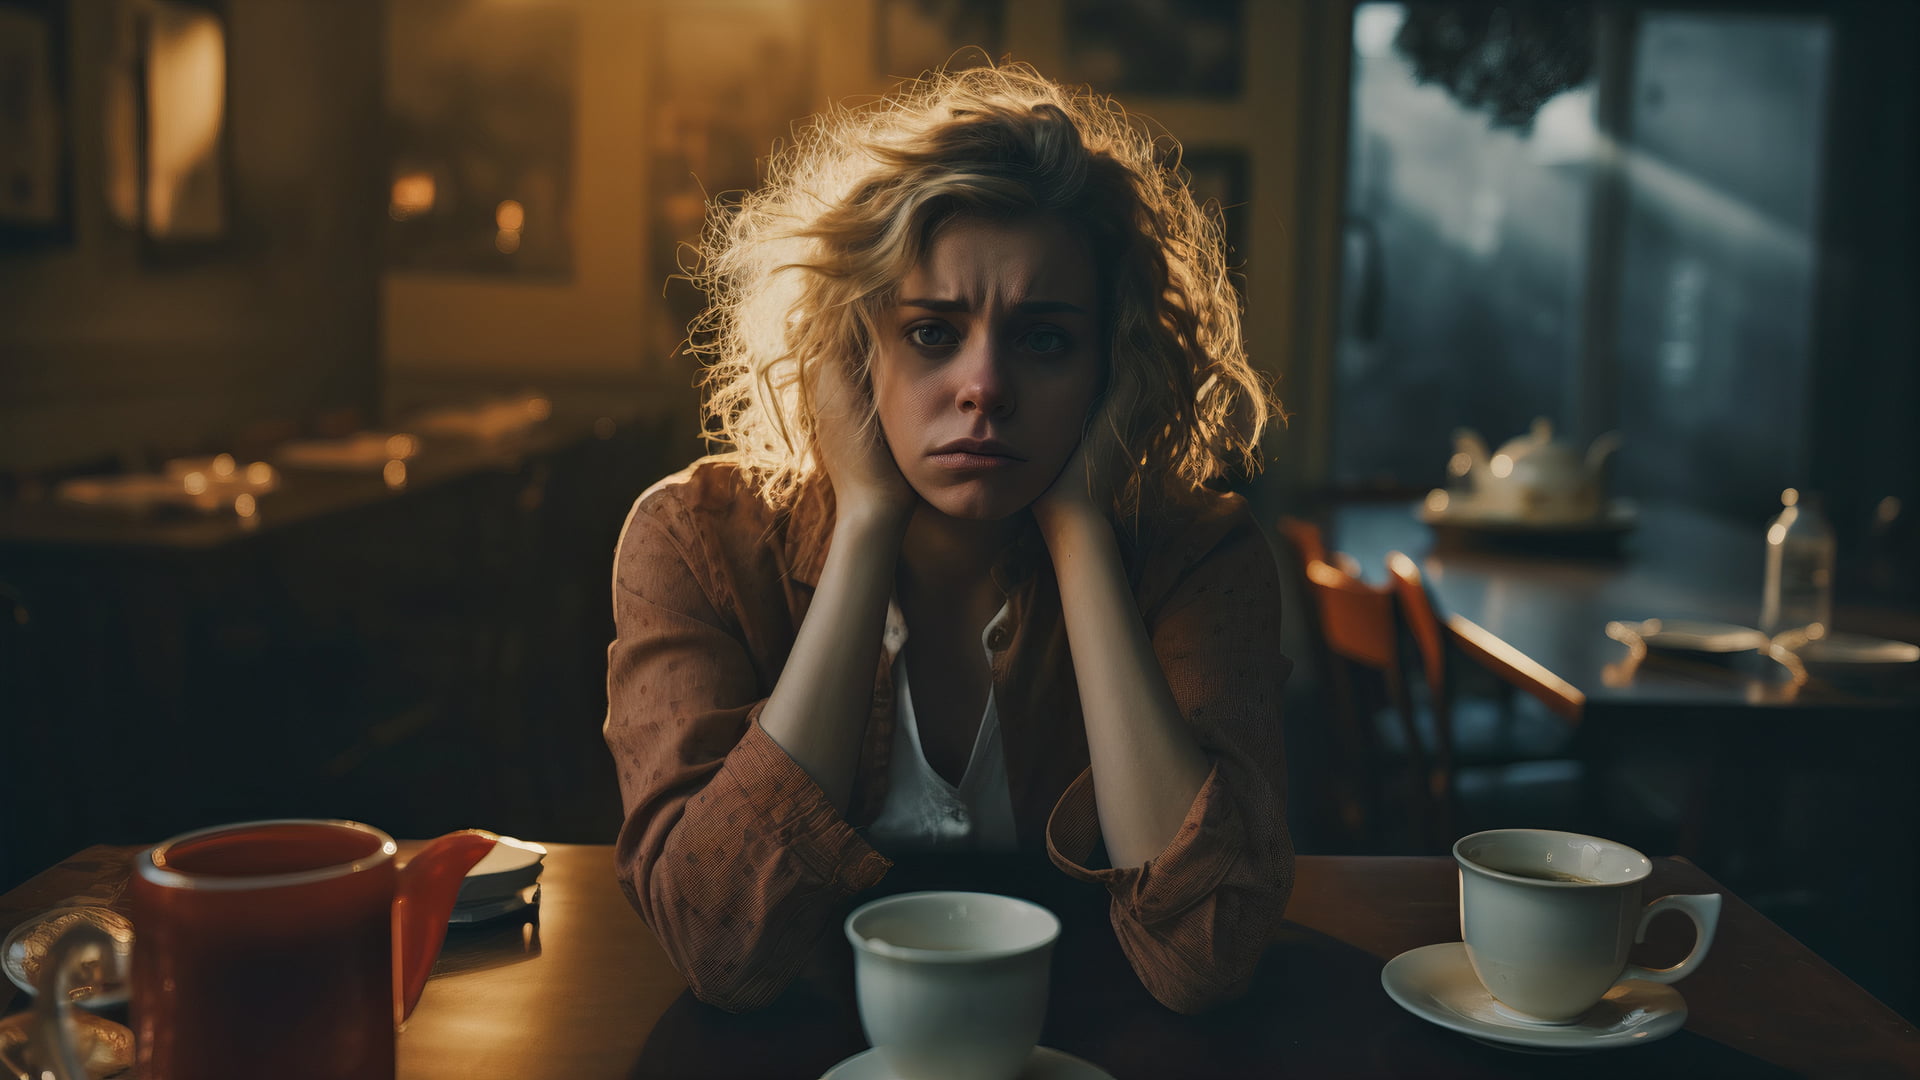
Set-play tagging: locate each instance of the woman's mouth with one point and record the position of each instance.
(973, 462)
(974, 455)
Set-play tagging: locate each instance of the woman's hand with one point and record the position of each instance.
(852, 448)
(1085, 488)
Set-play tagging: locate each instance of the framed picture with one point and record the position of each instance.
(917, 36)
(1221, 175)
(1167, 48)
(36, 185)
(178, 162)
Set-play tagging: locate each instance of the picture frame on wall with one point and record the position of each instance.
(1222, 175)
(914, 37)
(36, 177)
(1157, 48)
(183, 154)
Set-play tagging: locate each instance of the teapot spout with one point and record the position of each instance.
(429, 886)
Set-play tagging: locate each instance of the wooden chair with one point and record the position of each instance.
(1360, 629)
(1308, 544)
(1492, 756)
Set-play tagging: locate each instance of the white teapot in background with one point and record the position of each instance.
(1532, 478)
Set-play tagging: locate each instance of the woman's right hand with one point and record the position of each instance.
(852, 448)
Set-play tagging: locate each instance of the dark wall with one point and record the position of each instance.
(1865, 386)
(109, 348)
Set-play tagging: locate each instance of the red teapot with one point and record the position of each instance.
(273, 948)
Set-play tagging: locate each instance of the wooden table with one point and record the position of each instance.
(582, 991)
(1539, 620)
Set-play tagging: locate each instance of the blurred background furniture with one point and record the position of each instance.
(1413, 762)
(429, 653)
(1727, 759)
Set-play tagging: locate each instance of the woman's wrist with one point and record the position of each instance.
(1064, 525)
(863, 519)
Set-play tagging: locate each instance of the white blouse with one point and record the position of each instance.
(922, 811)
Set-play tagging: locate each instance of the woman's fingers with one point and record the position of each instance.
(850, 445)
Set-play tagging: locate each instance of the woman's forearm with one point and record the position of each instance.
(819, 708)
(1147, 767)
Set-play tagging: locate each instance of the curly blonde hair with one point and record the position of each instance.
(800, 270)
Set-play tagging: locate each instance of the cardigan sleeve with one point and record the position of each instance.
(732, 855)
(1195, 919)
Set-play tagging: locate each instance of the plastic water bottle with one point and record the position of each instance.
(1798, 594)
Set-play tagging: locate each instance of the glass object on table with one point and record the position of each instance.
(1798, 590)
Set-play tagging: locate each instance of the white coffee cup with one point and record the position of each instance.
(1548, 918)
(952, 985)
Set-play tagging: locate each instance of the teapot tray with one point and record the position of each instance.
(1460, 521)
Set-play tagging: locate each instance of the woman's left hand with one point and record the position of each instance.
(1084, 490)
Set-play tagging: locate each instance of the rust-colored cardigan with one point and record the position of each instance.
(740, 865)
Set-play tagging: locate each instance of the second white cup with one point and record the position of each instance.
(1548, 918)
(952, 985)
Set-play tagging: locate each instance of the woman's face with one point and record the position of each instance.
(988, 363)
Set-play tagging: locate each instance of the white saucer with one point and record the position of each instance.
(464, 913)
(1436, 983)
(1692, 635)
(511, 866)
(1842, 650)
(1045, 1064)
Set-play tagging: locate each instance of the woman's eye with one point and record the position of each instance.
(930, 336)
(1045, 339)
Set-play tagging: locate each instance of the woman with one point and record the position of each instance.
(959, 584)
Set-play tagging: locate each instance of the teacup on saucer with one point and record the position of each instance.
(1437, 984)
(1045, 1064)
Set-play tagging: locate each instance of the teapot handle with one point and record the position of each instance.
(53, 1004)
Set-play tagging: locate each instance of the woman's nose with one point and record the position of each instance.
(984, 386)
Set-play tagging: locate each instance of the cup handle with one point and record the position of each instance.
(53, 1005)
(1704, 910)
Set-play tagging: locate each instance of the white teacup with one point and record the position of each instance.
(1548, 918)
(952, 985)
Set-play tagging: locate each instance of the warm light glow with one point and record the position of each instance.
(196, 482)
(402, 446)
(187, 98)
(1437, 500)
(1777, 534)
(1815, 631)
(244, 505)
(1460, 464)
(507, 241)
(259, 473)
(1790, 497)
(395, 474)
(510, 216)
(1501, 465)
(1888, 510)
(223, 466)
(539, 408)
(412, 196)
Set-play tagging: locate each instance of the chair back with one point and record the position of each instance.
(1424, 629)
(1356, 618)
(1304, 538)
(1360, 626)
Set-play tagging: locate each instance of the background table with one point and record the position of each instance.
(1539, 619)
(582, 991)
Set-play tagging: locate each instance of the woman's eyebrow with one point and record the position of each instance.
(1025, 307)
